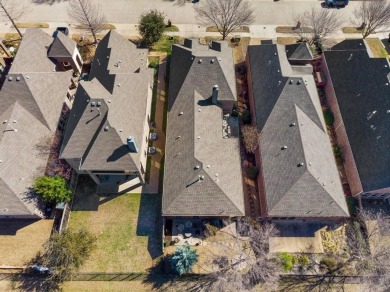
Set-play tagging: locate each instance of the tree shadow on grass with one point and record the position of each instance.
(26, 282)
(150, 223)
(11, 226)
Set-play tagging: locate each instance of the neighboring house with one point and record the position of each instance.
(107, 132)
(31, 102)
(298, 177)
(358, 93)
(203, 176)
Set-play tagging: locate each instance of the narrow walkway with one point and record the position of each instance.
(153, 185)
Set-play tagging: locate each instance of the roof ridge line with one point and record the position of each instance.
(40, 110)
(327, 192)
(296, 181)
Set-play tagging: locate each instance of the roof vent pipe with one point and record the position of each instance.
(131, 144)
(214, 94)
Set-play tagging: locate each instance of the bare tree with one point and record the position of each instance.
(88, 15)
(369, 241)
(371, 15)
(245, 263)
(250, 136)
(316, 24)
(225, 15)
(13, 10)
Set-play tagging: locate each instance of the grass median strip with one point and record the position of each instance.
(241, 29)
(32, 24)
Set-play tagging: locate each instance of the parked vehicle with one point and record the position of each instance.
(335, 3)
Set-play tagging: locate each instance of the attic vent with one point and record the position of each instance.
(93, 103)
(27, 77)
(200, 61)
(201, 177)
(121, 61)
(291, 81)
(275, 54)
(284, 147)
(197, 167)
(108, 57)
(219, 59)
(181, 113)
(109, 101)
(18, 78)
(106, 128)
(98, 104)
(212, 61)
(292, 124)
(299, 82)
(192, 58)
(10, 78)
(198, 137)
(300, 164)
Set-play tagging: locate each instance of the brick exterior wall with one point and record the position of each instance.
(260, 177)
(342, 138)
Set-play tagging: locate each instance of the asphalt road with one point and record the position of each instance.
(267, 12)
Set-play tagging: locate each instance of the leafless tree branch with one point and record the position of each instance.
(371, 15)
(225, 15)
(88, 15)
(13, 10)
(317, 24)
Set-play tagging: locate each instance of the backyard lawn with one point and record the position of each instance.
(20, 240)
(127, 229)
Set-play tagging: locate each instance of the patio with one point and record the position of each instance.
(187, 231)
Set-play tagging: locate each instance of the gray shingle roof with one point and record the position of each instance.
(362, 93)
(201, 142)
(33, 47)
(31, 105)
(293, 119)
(299, 52)
(123, 91)
(62, 46)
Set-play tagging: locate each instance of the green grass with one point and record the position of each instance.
(328, 116)
(128, 233)
(165, 44)
(171, 28)
(377, 48)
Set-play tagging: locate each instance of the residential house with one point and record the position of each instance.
(357, 91)
(32, 102)
(298, 177)
(107, 133)
(203, 176)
